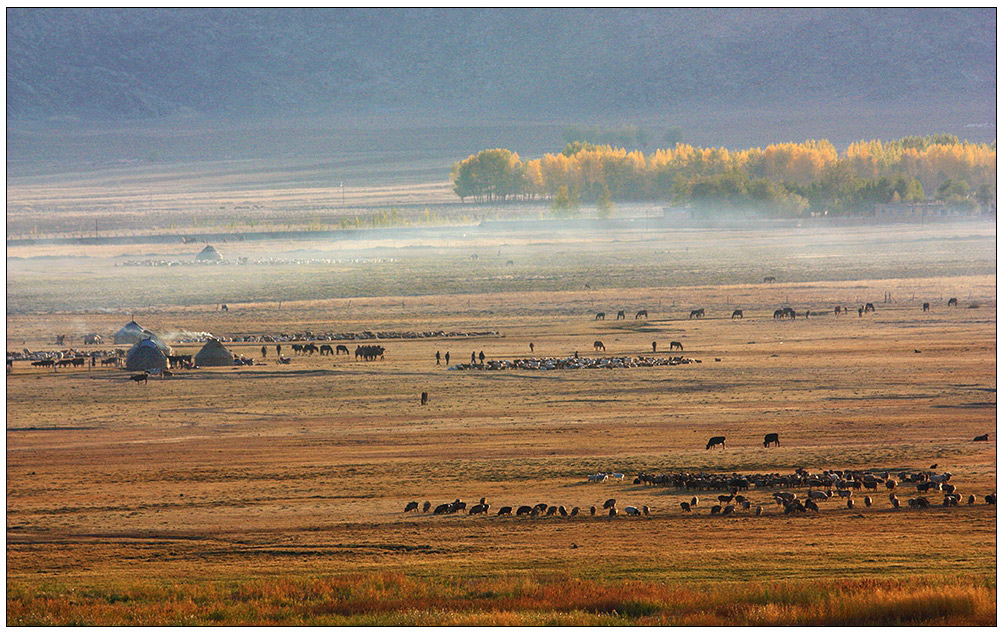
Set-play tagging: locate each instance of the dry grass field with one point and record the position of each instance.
(274, 494)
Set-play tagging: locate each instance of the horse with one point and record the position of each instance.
(599, 316)
(770, 439)
(769, 279)
(869, 308)
(424, 398)
(642, 313)
(716, 440)
(697, 314)
(298, 348)
(779, 314)
(621, 314)
(925, 307)
(788, 312)
(599, 345)
(737, 314)
(340, 348)
(326, 350)
(678, 345)
(224, 308)
(952, 301)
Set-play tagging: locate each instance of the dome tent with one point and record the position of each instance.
(209, 253)
(214, 353)
(134, 333)
(146, 355)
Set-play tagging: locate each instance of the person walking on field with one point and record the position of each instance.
(279, 350)
(472, 356)
(532, 347)
(481, 357)
(264, 351)
(446, 358)
(437, 357)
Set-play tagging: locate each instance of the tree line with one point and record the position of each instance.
(781, 179)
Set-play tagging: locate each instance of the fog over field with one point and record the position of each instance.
(534, 317)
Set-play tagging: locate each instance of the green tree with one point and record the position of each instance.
(605, 206)
(952, 190)
(565, 202)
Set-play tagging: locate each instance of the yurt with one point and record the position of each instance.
(134, 333)
(209, 253)
(214, 353)
(146, 355)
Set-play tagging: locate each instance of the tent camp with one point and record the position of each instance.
(134, 333)
(214, 353)
(146, 355)
(209, 253)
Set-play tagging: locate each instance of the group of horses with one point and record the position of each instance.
(715, 441)
(370, 353)
(621, 315)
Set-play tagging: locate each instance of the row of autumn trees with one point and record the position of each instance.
(784, 179)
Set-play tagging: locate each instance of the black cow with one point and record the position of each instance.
(770, 439)
(716, 440)
(981, 438)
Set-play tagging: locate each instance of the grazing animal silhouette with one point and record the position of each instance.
(442, 509)
(642, 313)
(524, 510)
(340, 348)
(574, 512)
(599, 316)
(991, 499)
(771, 439)
(697, 314)
(769, 280)
(424, 398)
(599, 345)
(684, 506)
(678, 345)
(737, 314)
(593, 510)
(412, 506)
(509, 262)
(952, 301)
(139, 378)
(613, 512)
(778, 314)
(981, 438)
(224, 308)
(621, 314)
(505, 510)
(924, 307)
(325, 349)
(869, 308)
(716, 440)
(425, 506)
(609, 504)
(715, 510)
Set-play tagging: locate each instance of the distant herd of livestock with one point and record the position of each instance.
(827, 485)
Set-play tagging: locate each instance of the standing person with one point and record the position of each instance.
(437, 357)
(264, 351)
(446, 358)
(532, 347)
(481, 357)
(654, 347)
(279, 350)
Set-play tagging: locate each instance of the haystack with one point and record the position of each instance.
(214, 353)
(146, 355)
(209, 253)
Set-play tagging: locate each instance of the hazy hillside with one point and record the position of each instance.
(108, 65)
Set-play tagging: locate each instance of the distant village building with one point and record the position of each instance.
(927, 209)
(209, 254)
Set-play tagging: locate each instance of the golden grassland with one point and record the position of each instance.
(274, 494)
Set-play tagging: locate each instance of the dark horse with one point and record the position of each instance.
(771, 439)
(599, 316)
(716, 440)
(925, 307)
(677, 345)
(697, 314)
(737, 314)
(952, 301)
(621, 314)
(424, 398)
(642, 313)
(598, 345)
(325, 349)
(869, 308)
(340, 348)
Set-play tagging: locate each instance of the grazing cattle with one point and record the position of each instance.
(411, 506)
(981, 438)
(474, 256)
(770, 439)
(633, 511)
(45, 363)
(610, 503)
(310, 349)
(340, 348)
(769, 279)
(298, 348)
(758, 511)
(991, 499)
(524, 510)
(597, 477)
(645, 510)
(562, 511)
(551, 510)
(139, 378)
(694, 502)
(697, 314)
(684, 506)
(613, 512)
(811, 505)
(92, 339)
(574, 512)
(325, 349)
(424, 398)
(737, 314)
(715, 510)
(425, 506)
(972, 499)
(599, 345)
(621, 314)
(593, 510)
(924, 307)
(869, 308)
(442, 509)
(867, 500)
(110, 361)
(505, 510)
(716, 440)
(457, 505)
(642, 313)
(676, 345)
(479, 509)
(952, 301)
(599, 316)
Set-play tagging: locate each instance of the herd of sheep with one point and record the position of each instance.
(574, 363)
(849, 487)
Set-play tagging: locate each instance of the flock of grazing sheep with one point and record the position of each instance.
(734, 493)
